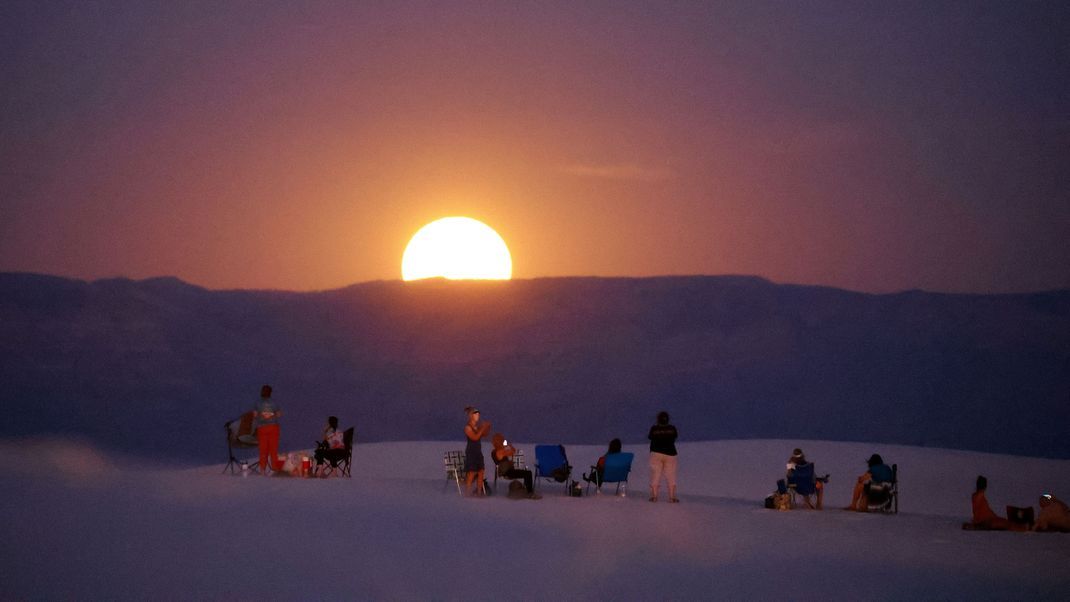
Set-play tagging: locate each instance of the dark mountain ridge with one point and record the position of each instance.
(156, 366)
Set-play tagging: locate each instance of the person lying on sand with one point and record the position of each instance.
(1054, 515)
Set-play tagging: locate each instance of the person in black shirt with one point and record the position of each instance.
(663, 457)
(502, 454)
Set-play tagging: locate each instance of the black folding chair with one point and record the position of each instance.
(340, 461)
(239, 436)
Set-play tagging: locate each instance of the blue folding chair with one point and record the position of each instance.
(551, 463)
(803, 482)
(616, 470)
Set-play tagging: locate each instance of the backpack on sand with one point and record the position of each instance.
(517, 491)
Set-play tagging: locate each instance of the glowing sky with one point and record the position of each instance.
(876, 146)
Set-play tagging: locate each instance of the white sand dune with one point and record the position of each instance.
(80, 525)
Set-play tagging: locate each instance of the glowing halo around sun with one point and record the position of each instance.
(456, 248)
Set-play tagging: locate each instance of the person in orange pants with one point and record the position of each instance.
(267, 430)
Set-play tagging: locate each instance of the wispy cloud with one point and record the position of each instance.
(620, 172)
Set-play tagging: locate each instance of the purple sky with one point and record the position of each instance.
(875, 146)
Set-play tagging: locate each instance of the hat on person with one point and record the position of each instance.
(798, 454)
(874, 460)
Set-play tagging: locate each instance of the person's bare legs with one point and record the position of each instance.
(469, 477)
(858, 493)
(820, 494)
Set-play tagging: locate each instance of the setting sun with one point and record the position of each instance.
(457, 248)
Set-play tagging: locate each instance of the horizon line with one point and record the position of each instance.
(466, 282)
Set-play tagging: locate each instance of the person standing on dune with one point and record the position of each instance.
(266, 416)
(474, 431)
(663, 456)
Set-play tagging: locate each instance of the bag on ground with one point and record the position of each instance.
(517, 491)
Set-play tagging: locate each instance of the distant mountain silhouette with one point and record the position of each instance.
(157, 366)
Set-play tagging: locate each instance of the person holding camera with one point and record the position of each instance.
(474, 431)
(502, 455)
(663, 457)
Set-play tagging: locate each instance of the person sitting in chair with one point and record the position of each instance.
(797, 460)
(599, 471)
(1054, 515)
(878, 472)
(502, 454)
(333, 447)
(983, 515)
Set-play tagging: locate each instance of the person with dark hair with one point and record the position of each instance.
(599, 471)
(878, 472)
(474, 431)
(502, 455)
(663, 456)
(266, 417)
(983, 515)
(333, 446)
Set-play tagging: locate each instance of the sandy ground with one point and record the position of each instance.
(80, 525)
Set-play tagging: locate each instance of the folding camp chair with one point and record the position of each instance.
(803, 482)
(615, 470)
(518, 463)
(240, 435)
(342, 463)
(552, 463)
(883, 496)
(454, 462)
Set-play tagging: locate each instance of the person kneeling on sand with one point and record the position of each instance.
(983, 515)
(502, 454)
(1054, 515)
